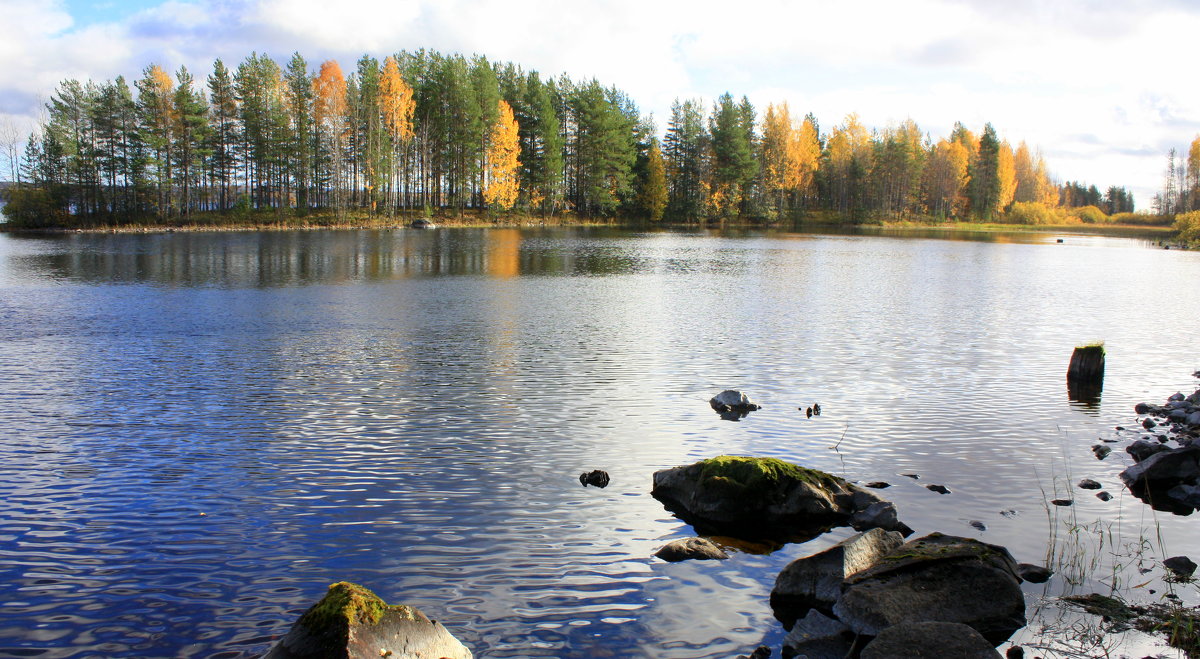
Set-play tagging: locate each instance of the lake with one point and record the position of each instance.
(202, 431)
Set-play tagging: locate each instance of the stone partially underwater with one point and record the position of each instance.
(351, 622)
(768, 499)
(1167, 477)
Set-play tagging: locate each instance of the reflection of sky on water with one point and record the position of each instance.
(411, 410)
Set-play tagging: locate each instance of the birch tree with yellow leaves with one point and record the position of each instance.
(331, 115)
(502, 165)
(397, 106)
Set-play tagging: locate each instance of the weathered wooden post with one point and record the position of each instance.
(1085, 375)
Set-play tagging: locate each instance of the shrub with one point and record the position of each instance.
(1090, 214)
(1188, 226)
(1142, 219)
(1031, 212)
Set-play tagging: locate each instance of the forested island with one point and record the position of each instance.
(424, 133)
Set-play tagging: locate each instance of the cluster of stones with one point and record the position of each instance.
(867, 596)
(1166, 473)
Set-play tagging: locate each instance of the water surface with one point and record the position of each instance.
(202, 431)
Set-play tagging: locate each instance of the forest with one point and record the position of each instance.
(436, 134)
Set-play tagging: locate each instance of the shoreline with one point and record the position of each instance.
(272, 221)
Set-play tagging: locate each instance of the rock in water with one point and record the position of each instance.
(761, 498)
(1182, 566)
(818, 637)
(945, 640)
(1089, 484)
(594, 477)
(732, 400)
(940, 489)
(1034, 573)
(937, 578)
(816, 581)
(700, 549)
(351, 622)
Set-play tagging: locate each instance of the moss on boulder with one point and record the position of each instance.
(351, 622)
(759, 498)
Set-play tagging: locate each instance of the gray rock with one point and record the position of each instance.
(700, 549)
(352, 622)
(759, 498)
(1148, 423)
(1180, 565)
(817, 636)
(877, 515)
(1101, 451)
(1186, 494)
(917, 640)
(1193, 419)
(1142, 449)
(1178, 415)
(937, 578)
(1034, 573)
(1089, 484)
(1104, 496)
(1141, 408)
(816, 581)
(734, 400)
(1178, 395)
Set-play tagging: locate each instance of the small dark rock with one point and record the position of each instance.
(878, 485)
(1008, 513)
(1141, 408)
(699, 549)
(1104, 496)
(817, 409)
(912, 476)
(1015, 652)
(1089, 484)
(1101, 451)
(808, 413)
(1181, 565)
(1034, 573)
(1177, 396)
(940, 489)
(1062, 502)
(978, 525)
(1148, 423)
(596, 478)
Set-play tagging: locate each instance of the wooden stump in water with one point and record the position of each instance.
(1085, 375)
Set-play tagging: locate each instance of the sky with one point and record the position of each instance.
(1103, 88)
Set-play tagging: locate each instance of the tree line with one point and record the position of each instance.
(446, 133)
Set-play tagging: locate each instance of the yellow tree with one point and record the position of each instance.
(806, 149)
(654, 192)
(396, 104)
(1007, 174)
(503, 179)
(331, 112)
(778, 154)
(849, 161)
(944, 180)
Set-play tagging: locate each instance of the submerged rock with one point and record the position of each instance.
(937, 578)
(351, 622)
(1101, 451)
(1089, 484)
(816, 581)
(818, 636)
(701, 549)
(944, 640)
(760, 498)
(940, 489)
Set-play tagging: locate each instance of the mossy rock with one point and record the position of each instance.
(351, 622)
(758, 498)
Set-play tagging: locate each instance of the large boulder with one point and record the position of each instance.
(945, 640)
(351, 622)
(816, 581)
(1163, 479)
(937, 578)
(760, 498)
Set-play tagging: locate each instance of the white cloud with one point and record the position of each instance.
(1100, 86)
